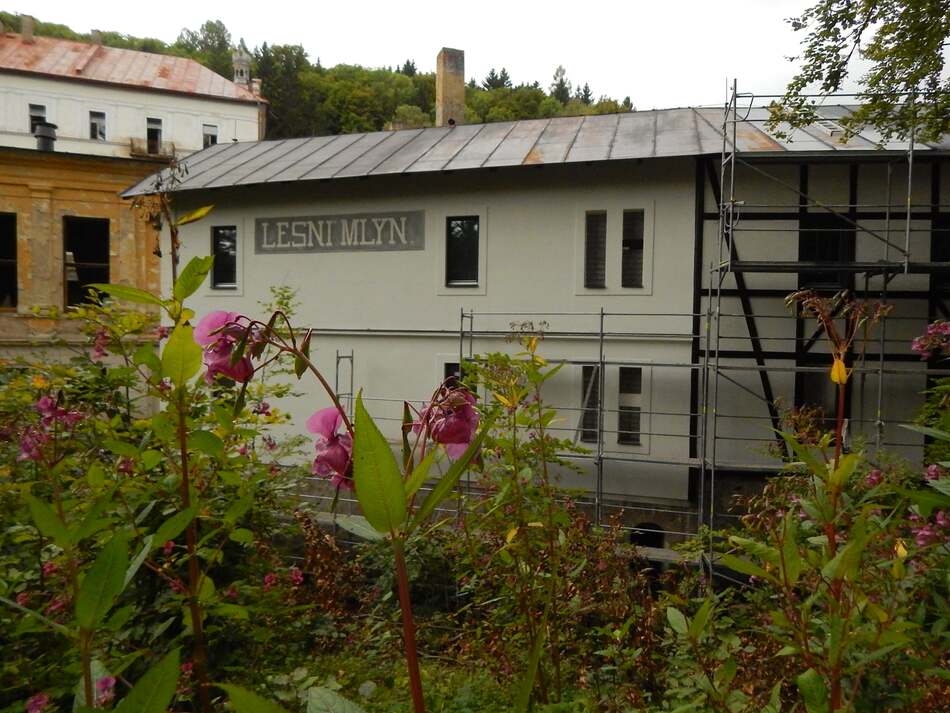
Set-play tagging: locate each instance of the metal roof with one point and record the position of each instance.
(561, 140)
(67, 59)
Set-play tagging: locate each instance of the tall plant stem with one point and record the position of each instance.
(194, 574)
(839, 423)
(85, 655)
(408, 628)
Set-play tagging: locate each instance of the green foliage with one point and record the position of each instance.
(379, 485)
(904, 88)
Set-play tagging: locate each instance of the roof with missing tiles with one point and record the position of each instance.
(560, 140)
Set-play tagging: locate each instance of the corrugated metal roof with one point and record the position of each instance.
(570, 139)
(66, 59)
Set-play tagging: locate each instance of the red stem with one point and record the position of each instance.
(408, 629)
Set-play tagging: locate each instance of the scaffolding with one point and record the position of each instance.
(720, 362)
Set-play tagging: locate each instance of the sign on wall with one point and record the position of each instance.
(354, 232)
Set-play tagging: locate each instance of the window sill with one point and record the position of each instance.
(461, 285)
(224, 287)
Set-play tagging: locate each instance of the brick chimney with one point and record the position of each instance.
(450, 87)
(26, 28)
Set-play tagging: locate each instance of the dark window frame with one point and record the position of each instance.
(630, 418)
(463, 282)
(97, 126)
(84, 264)
(36, 118)
(205, 135)
(940, 250)
(595, 249)
(221, 284)
(590, 403)
(826, 239)
(632, 242)
(11, 262)
(154, 145)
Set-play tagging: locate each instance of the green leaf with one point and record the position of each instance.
(154, 691)
(791, 561)
(420, 474)
(814, 691)
(96, 476)
(379, 487)
(121, 448)
(48, 522)
(845, 563)
(242, 535)
(927, 431)
(358, 526)
(139, 558)
(448, 481)
(323, 700)
(525, 688)
(246, 702)
(150, 459)
(206, 442)
(232, 611)
(677, 620)
(698, 625)
(146, 355)
(104, 581)
(805, 454)
(192, 276)
(926, 501)
(173, 526)
(59, 628)
(129, 294)
(181, 358)
(847, 464)
(744, 566)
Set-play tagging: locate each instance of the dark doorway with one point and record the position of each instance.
(648, 534)
(85, 256)
(8, 286)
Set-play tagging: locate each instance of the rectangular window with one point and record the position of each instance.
(631, 257)
(940, 250)
(209, 135)
(153, 135)
(590, 398)
(461, 251)
(8, 286)
(37, 116)
(595, 249)
(86, 256)
(452, 374)
(97, 125)
(224, 249)
(629, 407)
(825, 238)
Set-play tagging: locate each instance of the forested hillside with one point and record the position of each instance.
(307, 98)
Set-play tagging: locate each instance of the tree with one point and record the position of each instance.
(561, 88)
(210, 45)
(504, 78)
(585, 94)
(626, 104)
(408, 68)
(905, 89)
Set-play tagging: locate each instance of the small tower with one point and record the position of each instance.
(242, 66)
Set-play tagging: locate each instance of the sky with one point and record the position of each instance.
(660, 53)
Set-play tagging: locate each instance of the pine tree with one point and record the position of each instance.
(586, 95)
(561, 88)
(408, 68)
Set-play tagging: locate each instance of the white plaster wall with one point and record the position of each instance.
(68, 105)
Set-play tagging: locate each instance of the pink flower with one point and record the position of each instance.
(186, 668)
(334, 459)
(105, 690)
(270, 581)
(450, 419)
(873, 478)
(37, 703)
(926, 535)
(178, 587)
(168, 547)
(943, 519)
(296, 576)
(162, 333)
(262, 409)
(218, 333)
(31, 444)
(23, 598)
(49, 568)
(56, 605)
(99, 345)
(125, 466)
(933, 472)
(231, 592)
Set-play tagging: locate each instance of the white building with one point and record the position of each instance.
(412, 249)
(106, 101)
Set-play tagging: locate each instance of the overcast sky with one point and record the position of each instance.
(661, 53)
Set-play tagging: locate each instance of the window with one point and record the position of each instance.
(37, 116)
(461, 251)
(452, 374)
(628, 409)
(940, 250)
(209, 135)
(153, 135)
(8, 286)
(224, 249)
(595, 249)
(86, 255)
(631, 257)
(590, 398)
(97, 125)
(825, 238)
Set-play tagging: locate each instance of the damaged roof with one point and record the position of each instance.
(530, 142)
(67, 59)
